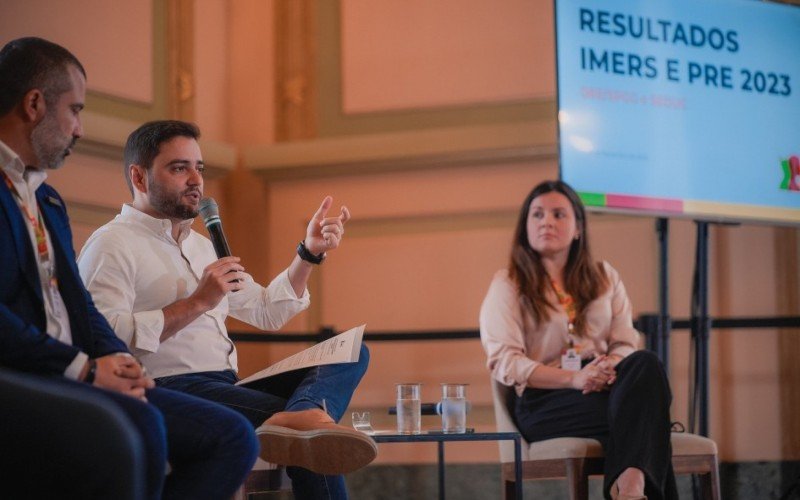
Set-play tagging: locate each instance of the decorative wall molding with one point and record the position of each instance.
(295, 70)
(332, 121)
(105, 136)
(120, 107)
(472, 220)
(409, 150)
(787, 256)
(90, 214)
(180, 60)
(430, 223)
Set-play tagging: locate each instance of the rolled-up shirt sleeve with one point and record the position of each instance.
(107, 268)
(75, 368)
(267, 308)
(623, 338)
(502, 334)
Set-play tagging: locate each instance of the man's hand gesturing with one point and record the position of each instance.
(325, 233)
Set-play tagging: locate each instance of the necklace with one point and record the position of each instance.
(568, 303)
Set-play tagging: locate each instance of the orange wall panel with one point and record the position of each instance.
(418, 54)
(113, 40)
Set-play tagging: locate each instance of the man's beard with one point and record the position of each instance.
(48, 146)
(169, 203)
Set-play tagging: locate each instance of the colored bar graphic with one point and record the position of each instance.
(691, 208)
(787, 174)
(644, 203)
(593, 199)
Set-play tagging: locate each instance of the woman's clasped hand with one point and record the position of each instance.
(596, 376)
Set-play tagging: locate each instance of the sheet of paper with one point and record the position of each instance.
(342, 348)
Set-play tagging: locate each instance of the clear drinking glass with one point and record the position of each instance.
(409, 416)
(454, 408)
(361, 422)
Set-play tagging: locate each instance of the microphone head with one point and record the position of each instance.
(209, 211)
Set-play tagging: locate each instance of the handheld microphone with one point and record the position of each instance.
(210, 213)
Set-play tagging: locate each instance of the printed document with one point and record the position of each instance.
(342, 348)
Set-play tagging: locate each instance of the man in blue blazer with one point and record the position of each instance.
(48, 323)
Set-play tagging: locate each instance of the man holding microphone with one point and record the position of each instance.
(167, 295)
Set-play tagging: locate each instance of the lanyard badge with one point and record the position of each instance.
(36, 222)
(38, 230)
(571, 353)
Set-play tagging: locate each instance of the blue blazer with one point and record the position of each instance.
(24, 343)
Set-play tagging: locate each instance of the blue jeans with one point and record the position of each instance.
(328, 387)
(210, 448)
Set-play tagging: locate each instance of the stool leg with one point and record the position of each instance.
(713, 478)
(577, 479)
(510, 492)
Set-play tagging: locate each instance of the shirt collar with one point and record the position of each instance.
(19, 174)
(160, 227)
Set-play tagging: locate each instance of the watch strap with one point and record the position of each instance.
(307, 256)
(91, 373)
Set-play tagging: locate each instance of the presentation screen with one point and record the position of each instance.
(685, 108)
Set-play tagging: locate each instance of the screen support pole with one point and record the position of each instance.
(664, 322)
(701, 328)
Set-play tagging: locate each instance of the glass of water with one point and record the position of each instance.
(454, 408)
(409, 416)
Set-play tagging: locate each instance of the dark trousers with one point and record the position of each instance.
(631, 420)
(80, 441)
(59, 442)
(327, 386)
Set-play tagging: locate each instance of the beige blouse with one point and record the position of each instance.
(515, 346)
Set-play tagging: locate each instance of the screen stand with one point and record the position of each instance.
(664, 326)
(701, 328)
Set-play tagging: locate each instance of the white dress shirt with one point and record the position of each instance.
(134, 268)
(26, 181)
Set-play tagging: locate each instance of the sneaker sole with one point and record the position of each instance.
(324, 451)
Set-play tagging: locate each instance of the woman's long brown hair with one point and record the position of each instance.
(584, 279)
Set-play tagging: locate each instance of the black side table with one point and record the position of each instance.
(441, 439)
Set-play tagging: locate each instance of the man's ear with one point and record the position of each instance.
(138, 176)
(33, 106)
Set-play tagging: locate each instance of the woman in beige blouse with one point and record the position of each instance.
(557, 326)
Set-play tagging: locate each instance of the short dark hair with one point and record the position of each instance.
(144, 143)
(34, 63)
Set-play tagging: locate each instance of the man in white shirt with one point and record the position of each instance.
(165, 293)
(51, 330)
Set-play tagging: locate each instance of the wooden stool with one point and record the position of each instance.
(575, 459)
(264, 477)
